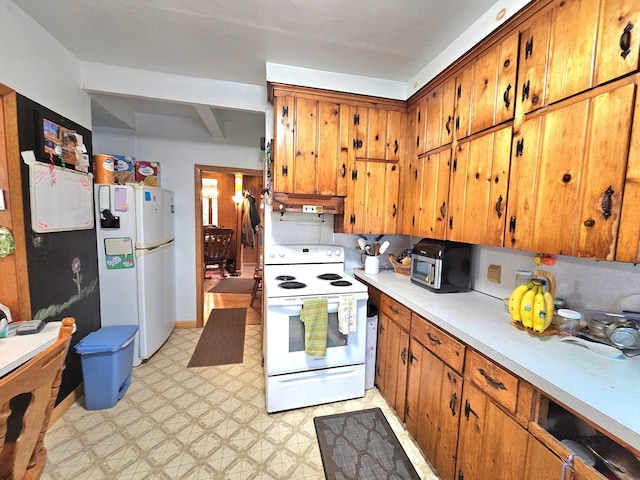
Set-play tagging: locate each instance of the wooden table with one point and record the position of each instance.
(18, 349)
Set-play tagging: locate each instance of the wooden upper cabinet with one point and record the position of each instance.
(306, 146)
(573, 33)
(628, 245)
(494, 84)
(618, 39)
(574, 45)
(434, 170)
(567, 176)
(309, 154)
(283, 152)
(409, 181)
(375, 194)
(464, 85)
(439, 105)
(421, 125)
(478, 189)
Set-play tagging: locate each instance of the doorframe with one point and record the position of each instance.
(198, 171)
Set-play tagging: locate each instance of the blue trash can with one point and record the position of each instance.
(107, 359)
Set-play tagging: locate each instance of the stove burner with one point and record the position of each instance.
(291, 285)
(284, 278)
(341, 283)
(329, 276)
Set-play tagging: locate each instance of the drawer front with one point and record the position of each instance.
(396, 312)
(496, 382)
(441, 344)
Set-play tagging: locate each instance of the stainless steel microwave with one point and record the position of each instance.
(441, 266)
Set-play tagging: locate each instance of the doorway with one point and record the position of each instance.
(228, 214)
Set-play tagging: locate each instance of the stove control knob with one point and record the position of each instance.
(337, 252)
(329, 252)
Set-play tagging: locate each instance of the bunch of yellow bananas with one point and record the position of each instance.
(531, 305)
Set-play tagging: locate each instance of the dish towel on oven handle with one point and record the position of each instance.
(347, 314)
(315, 317)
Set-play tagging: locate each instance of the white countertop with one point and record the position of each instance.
(18, 349)
(604, 390)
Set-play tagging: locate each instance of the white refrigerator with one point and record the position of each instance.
(135, 231)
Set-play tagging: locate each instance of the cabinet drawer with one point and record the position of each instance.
(496, 382)
(396, 312)
(441, 344)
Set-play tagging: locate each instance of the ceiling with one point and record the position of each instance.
(232, 40)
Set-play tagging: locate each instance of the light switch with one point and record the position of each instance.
(2, 206)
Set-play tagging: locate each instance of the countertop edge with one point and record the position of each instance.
(601, 393)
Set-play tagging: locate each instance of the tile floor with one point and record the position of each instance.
(199, 423)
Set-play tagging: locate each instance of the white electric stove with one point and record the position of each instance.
(294, 379)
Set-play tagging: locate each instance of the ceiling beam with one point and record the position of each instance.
(118, 107)
(211, 119)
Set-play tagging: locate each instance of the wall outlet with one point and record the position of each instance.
(493, 273)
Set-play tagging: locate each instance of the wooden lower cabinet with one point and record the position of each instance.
(394, 324)
(472, 419)
(394, 364)
(434, 392)
(491, 444)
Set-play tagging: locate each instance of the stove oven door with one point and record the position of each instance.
(284, 340)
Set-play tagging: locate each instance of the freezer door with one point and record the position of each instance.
(156, 297)
(154, 208)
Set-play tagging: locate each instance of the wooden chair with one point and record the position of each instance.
(40, 378)
(217, 244)
(257, 274)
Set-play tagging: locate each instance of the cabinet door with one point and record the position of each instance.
(532, 63)
(283, 152)
(434, 392)
(328, 148)
(410, 181)
(448, 110)
(421, 125)
(464, 82)
(395, 383)
(358, 129)
(345, 161)
(618, 39)
(433, 129)
(477, 197)
(375, 196)
(435, 191)
(381, 352)
(493, 82)
(572, 51)
(491, 444)
(553, 178)
(377, 134)
(306, 146)
(395, 144)
(628, 245)
(391, 198)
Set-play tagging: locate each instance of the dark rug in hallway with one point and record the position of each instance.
(361, 445)
(222, 338)
(233, 285)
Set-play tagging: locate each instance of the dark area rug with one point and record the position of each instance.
(233, 285)
(222, 338)
(361, 445)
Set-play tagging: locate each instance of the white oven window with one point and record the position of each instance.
(296, 333)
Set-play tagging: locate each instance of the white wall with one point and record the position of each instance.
(178, 151)
(38, 67)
